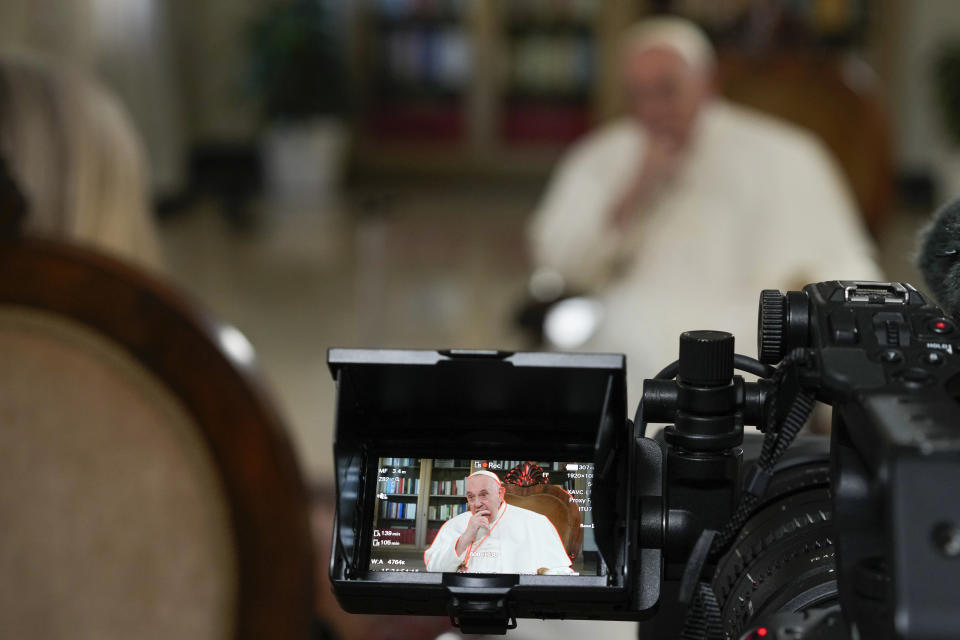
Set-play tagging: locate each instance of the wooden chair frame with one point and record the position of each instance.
(267, 498)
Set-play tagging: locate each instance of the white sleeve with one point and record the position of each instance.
(570, 231)
(442, 554)
(550, 553)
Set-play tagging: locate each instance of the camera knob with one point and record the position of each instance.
(771, 326)
(706, 358)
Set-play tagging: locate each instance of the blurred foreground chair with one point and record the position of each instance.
(147, 488)
(527, 489)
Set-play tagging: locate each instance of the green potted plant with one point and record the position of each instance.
(297, 74)
(947, 88)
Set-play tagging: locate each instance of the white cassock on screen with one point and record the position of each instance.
(517, 541)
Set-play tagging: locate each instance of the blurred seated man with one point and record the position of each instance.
(72, 151)
(494, 537)
(676, 216)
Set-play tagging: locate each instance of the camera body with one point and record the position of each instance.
(861, 533)
(886, 360)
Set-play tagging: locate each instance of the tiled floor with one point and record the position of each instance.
(430, 268)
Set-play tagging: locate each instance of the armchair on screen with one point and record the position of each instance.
(527, 488)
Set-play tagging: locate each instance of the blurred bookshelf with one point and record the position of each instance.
(502, 86)
(480, 86)
(552, 70)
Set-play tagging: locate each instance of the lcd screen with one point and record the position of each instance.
(484, 516)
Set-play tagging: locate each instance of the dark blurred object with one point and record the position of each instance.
(13, 205)
(230, 173)
(916, 190)
(529, 316)
(147, 486)
(947, 85)
(938, 257)
(837, 99)
(296, 66)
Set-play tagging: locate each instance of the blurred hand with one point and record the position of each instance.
(660, 164)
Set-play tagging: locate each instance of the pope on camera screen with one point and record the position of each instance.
(484, 516)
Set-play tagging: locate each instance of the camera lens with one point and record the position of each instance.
(783, 559)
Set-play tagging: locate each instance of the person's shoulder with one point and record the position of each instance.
(764, 131)
(526, 514)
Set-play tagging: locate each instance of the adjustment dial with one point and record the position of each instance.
(771, 326)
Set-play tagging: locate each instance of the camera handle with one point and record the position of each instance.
(702, 619)
(707, 406)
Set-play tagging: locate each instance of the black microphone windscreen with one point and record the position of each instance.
(939, 256)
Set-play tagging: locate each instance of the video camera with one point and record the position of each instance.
(698, 533)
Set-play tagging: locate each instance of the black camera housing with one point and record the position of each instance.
(888, 361)
(881, 354)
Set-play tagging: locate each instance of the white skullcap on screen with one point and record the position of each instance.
(489, 474)
(678, 34)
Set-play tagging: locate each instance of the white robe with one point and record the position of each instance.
(757, 204)
(519, 541)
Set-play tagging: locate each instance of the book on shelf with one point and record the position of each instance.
(400, 462)
(398, 510)
(436, 57)
(445, 511)
(550, 65)
(402, 486)
(448, 487)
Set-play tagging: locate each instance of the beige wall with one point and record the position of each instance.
(126, 43)
(62, 28)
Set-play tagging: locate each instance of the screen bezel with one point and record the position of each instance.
(438, 404)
